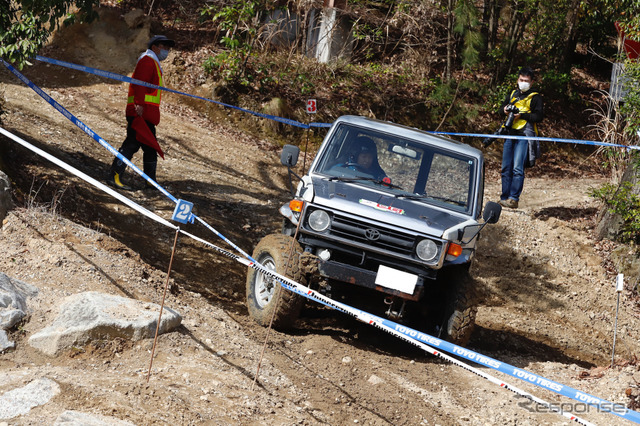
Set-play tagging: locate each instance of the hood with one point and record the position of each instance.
(378, 206)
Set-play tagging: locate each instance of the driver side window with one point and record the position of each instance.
(337, 151)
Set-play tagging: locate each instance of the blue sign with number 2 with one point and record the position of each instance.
(182, 212)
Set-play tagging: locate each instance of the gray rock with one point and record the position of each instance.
(77, 418)
(97, 316)
(20, 401)
(5, 196)
(13, 300)
(5, 343)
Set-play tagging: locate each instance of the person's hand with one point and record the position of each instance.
(139, 110)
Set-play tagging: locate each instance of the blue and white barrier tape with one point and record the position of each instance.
(421, 337)
(539, 138)
(260, 268)
(62, 110)
(295, 123)
(412, 336)
(110, 148)
(88, 178)
(126, 79)
(393, 330)
(386, 325)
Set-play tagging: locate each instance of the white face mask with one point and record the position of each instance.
(524, 86)
(163, 54)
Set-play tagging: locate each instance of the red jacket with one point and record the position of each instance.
(148, 70)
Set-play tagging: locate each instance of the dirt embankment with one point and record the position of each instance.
(549, 303)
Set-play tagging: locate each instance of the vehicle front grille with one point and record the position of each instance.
(363, 233)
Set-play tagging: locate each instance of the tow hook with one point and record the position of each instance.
(391, 313)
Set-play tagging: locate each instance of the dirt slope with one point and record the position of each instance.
(549, 302)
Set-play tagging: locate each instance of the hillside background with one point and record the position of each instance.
(433, 65)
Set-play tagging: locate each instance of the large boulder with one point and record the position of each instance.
(20, 401)
(5, 343)
(13, 306)
(13, 300)
(92, 315)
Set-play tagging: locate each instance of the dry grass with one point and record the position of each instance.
(610, 127)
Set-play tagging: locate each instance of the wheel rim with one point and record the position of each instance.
(265, 286)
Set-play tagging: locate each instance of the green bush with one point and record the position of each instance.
(557, 85)
(623, 202)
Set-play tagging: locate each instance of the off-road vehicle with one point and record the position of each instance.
(388, 217)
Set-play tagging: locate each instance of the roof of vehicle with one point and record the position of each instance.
(410, 133)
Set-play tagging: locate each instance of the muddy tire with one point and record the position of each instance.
(264, 294)
(459, 318)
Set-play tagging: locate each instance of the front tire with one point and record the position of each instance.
(266, 298)
(459, 317)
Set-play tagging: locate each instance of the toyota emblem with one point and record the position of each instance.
(372, 234)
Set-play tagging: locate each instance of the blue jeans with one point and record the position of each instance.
(514, 154)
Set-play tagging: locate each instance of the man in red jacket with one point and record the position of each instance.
(143, 112)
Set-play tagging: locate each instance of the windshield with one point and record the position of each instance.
(403, 167)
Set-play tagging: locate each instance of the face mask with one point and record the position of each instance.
(524, 86)
(163, 54)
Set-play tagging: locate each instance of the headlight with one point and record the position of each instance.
(427, 250)
(319, 220)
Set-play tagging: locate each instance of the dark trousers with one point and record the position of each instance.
(130, 146)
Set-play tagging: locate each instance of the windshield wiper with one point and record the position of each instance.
(432, 197)
(360, 178)
(412, 196)
(351, 179)
(448, 200)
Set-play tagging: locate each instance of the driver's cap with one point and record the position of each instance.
(363, 144)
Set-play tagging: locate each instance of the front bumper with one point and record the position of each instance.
(364, 278)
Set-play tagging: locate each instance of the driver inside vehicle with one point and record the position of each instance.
(364, 158)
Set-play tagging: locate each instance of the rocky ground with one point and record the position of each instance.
(549, 300)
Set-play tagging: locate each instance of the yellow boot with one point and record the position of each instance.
(114, 180)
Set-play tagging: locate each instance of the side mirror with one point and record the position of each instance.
(289, 156)
(491, 212)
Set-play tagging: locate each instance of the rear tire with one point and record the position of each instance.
(266, 298)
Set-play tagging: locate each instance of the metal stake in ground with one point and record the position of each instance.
(619, 287)
(164, 294)
(266, 338)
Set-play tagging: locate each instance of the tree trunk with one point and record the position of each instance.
(450, 41)
(513, 34)
(304, 28)
(490, 23)
(569, 42)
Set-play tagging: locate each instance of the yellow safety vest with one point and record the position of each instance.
(152, 98)
(524, 106)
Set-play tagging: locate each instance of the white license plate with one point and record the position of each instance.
(396, 280)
